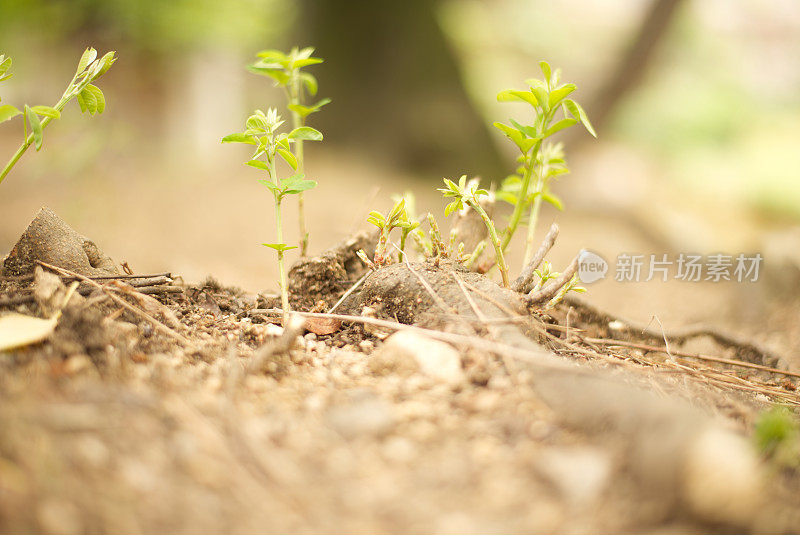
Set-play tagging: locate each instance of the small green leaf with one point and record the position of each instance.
(7, 111)
(89, 55)
(89, 101)
(559, 94)
(280, 77)
(279, 247)
(239, 138)
(258, 164)
(452, 207)
(560, 125)
(100, 99)
(300, 63)
(46, 111)
(271, 54)
(577, 111)
(305, 133)
(288, 157)
(548, 74)
(552, 199)
(310, 82)
(299, 186)
(36, 127)
(5, 64)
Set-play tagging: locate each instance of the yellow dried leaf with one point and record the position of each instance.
(18, 330)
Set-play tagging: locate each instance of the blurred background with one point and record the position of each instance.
(696, 104)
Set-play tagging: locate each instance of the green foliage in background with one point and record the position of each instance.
(287, 72)
(153, 26)
(36, 118)
(262, 130)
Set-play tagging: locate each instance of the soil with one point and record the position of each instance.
(228, 425)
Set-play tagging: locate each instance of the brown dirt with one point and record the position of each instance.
(113, 427)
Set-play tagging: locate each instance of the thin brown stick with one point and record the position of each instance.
(524, 282)
(157, 324)
(349, 292)
(552, 289)
(698, 356)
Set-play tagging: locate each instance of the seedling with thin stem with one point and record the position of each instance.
(547, 97)
(571, 286)
(286, 70)
(469, 194)
(90, 99)
(261, 130)
(396, 218)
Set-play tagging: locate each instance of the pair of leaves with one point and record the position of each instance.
(281, 67)
(520, 135)
(90, 68)
(279, 247)
(396, 218)
(91, 100)
(287, 186)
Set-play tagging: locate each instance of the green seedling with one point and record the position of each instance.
(261, 130)
(396, 218)
(544, 274)
(36, 118)
(571, 286)
(549, 101)
(413, 223)
(777, 437)
(469, 194)
(286, 70)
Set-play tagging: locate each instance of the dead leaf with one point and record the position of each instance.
(323, 326)
(18, 330)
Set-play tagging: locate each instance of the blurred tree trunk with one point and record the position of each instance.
(396, 88)
(631, 68)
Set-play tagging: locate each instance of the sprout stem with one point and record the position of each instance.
(516, 215)
(498, 249)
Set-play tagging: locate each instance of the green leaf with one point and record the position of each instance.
(300, 63)
(271, 54)
(101, 66)
(288, 157)
(7, 111)
(304, 111)
(257, 122)
(527, 130)
(508, 197)
(100, 99)
(239, 138)
(577, 111)
(552, 199)
(513, 134)
(280, 77)
(557, 95)
(5, 65)
(89, 55)
(560, 125)
(548, 74)
(46, 111)
(279, 247)
(89, 101)
(453, 207)
(306, 133)
(299, 186)
(310, 82)
(36, 127)
(258, 164)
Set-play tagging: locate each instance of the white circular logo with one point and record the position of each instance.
(591, 267)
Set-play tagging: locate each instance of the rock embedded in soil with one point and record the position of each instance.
(50, 239)
(410, 351)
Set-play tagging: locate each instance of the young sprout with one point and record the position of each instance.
(571, 286)
(286, 70)
(396, 218)
(261, 130)
(413, 223)
(544, 273)
(547, 98)
(463, 193)
(90, 99)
